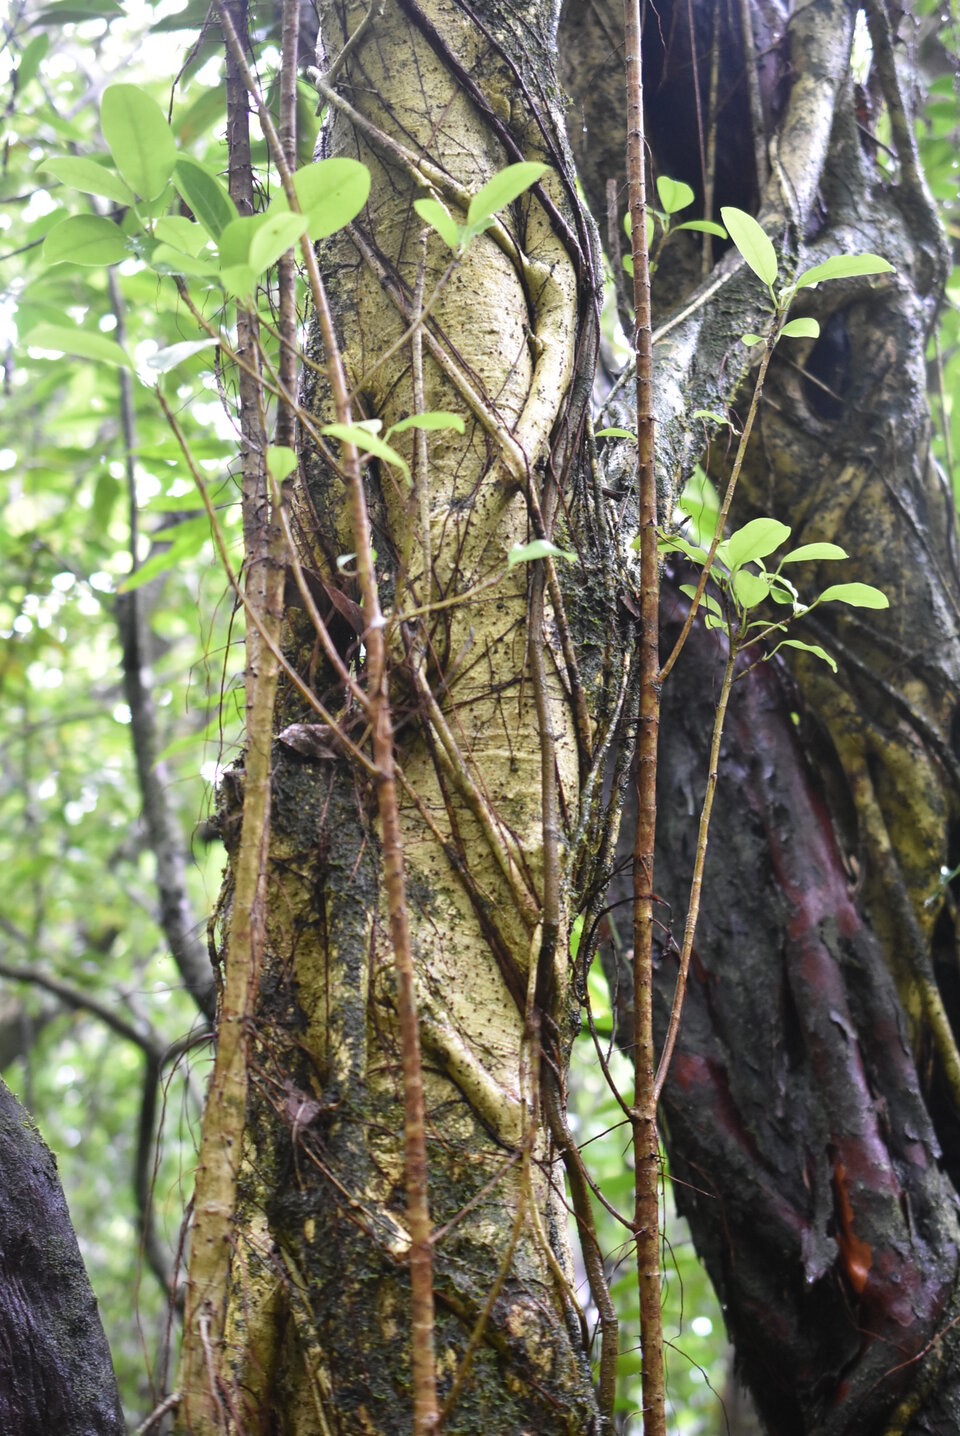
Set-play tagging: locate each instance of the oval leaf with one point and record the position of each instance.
(438, 217)
(140, 140)
(615, 434)
(363, 439)
(813, 648)
(752, 242)
(83, 343)
(331, 193)
(537, 548)
(704, 226)
(88, 177)
(503, 189)
(750, 588)
(274, 235)
(857, 595)
(175, 354)
(755, 540)
(204, 194)
(438, 419)
(281, 461)
(844, 266)
(801, 329)
(674, 194)
(85, 239)
(815, 551)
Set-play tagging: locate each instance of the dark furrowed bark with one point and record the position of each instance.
(55, 1370)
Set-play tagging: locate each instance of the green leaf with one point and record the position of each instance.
(436, 419)
(844, 266)
(438, 217)
(750, 588)
(707, 600)
(30, 60)
(857, 595)
(674, 194)
(755, 540)
(204, 194)
(239, 281)
(752, 242)
(82, 343)
(181, 233)
(235, 240)
(809, 552)
(502, 190)
(751, 339)
(86, 239)
(281, 461)
(88, 177)
(537, 548)
(140, 140)
(704, 226)
(712, 416)
(273, 235)
(186, 541)
(813, 648)
(167, 259)
(174, 354)
(331, 193)
(627, 263)
(615, 434)
(801, 329)
(362, 438)
(675, 543)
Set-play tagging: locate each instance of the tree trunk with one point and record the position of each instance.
(55, 1371)
(811, 1112)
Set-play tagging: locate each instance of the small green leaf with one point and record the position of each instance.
(809, 552)
(166, 259)
(86, 239)
(88, 177)
(627, 263)
(749, 589)
(844, 266)
(502, 190)
(751, 339)
(362, 438)
(675, 543)
(755, 540)
(801, 329)
(615, 434)
(712, 416)
(674, 194)
(537, 548)
(181, 234)
(437, 419)
(857, 595)
(281, 461)
(813, 648)
(238, 280)
(438, 217)
(330, 193)
(750, 239)
(30, 60)
(174, 354)
(707, 600)
(140, 140)
(274, 234)
(704, 226)
(83, 343)
(204, 194)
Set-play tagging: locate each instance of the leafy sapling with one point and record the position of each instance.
(675, 196)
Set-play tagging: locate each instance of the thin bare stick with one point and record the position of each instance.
(646, 1209)
(696, 884)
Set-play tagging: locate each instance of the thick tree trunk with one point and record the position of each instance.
(811, 1113)
(55, 1371)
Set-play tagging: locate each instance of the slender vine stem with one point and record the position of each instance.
(646, 1212)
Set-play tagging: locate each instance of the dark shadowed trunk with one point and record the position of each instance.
(55, 1371)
